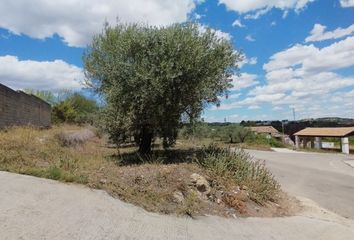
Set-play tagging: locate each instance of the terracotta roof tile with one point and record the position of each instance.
(326, 132)
(264, 129)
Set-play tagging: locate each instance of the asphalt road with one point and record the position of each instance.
(321, 177)
(34, 208)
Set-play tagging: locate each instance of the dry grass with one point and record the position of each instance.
(239, 166)
(149, 183)
(40, 153)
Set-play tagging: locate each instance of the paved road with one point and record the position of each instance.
(34, 208)
(324, 178)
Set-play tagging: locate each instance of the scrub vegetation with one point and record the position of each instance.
(234, 183)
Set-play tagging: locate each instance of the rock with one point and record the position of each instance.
(244, 187)
(243, 196)
(178, 197)
(103, 181)
(218, 201)
(240, 195)
(200, 183)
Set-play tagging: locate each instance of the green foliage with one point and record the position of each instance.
(232, 133)
(191, 204)
(235, 134)
(75, 109)
(238, 165)
(54, 172)
(153, 77)
(46, 96)
(262, 139)
(50, 97)
(197, 130)
(63, 112)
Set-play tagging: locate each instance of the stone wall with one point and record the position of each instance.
(19, 109)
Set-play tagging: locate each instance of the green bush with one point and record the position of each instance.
(262, 139)
(237, 164)
(75, 109)
(235, 134)
(54, 172)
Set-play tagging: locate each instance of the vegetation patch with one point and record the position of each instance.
(182, 180)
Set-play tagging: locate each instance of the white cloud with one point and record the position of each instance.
(302, 76)
(277, 108)
(318, 33)
(254, 107)
(273, 23)
(246, 60)
(258, 13)
(257, 5)
(45, 75)
(305, 77)
(237, 23)
(234, 96)
(77, 21)
(250, 38)
(246, 80)
(347, 3)
(252, 61)
(285, 14)
(312, 59)
(198, 16)
(219, 34)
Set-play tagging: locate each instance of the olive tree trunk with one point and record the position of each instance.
(145, 142)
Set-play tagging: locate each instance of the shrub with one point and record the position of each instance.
(236, 134)
(261, 139)
(191, 204)
(238, 164)
(76, 108)
(54, 173)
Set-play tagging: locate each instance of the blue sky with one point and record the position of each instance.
(298, 53)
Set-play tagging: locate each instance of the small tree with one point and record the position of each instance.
(153, 77)
(75, 109)
(236, 133)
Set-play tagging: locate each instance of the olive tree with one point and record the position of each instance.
(154, 78)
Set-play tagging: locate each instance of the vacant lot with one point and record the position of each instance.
(184, 180)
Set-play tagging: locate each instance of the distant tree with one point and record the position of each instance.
(51, 97)
(153, 77)
(75, 109)
(46, 96)
(236, 133)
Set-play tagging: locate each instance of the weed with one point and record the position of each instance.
(191, 204)
(238, 165)
(54, 172)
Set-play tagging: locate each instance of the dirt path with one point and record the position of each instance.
(34, 208)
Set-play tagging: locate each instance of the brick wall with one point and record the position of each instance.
(19, 108)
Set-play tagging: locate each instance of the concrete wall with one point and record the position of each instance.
(19, 109)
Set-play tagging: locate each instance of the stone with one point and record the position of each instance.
(200, 183)
(178, 197)
(103, 181)
(243, 196)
